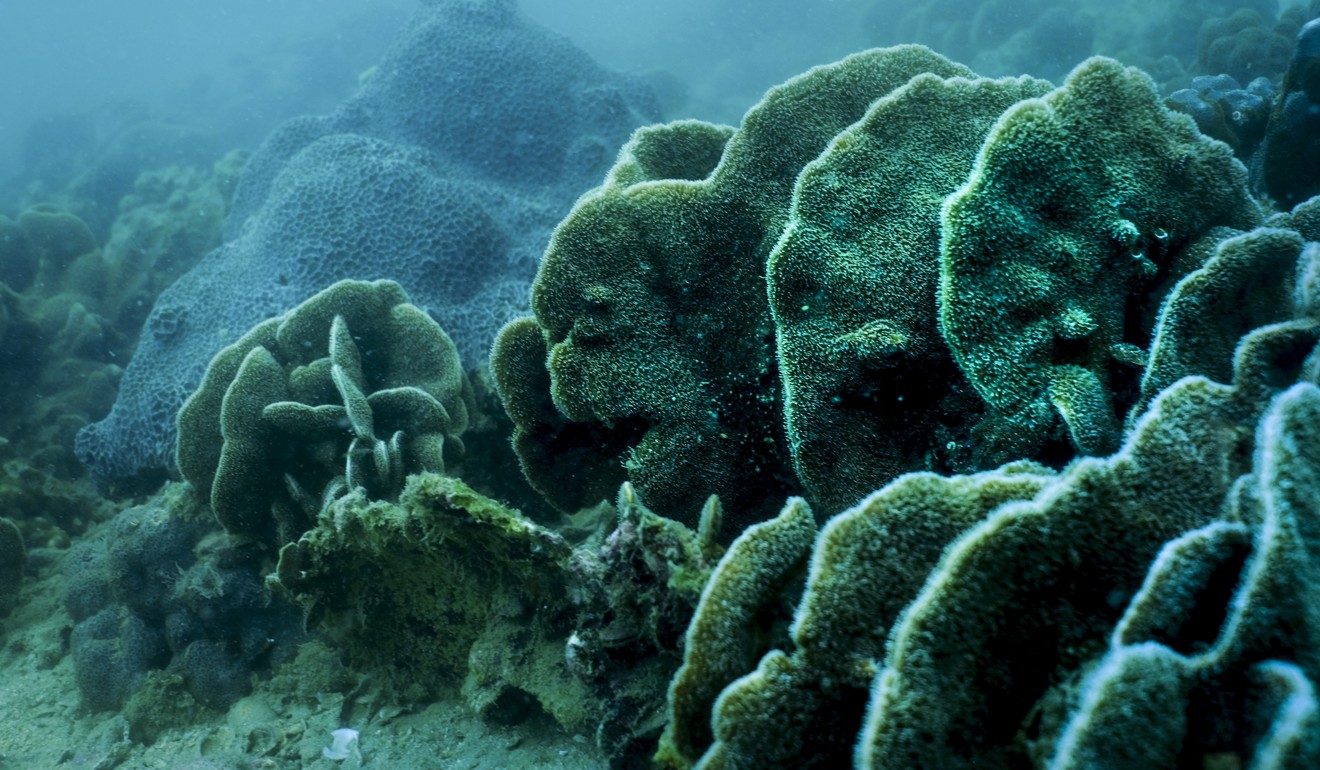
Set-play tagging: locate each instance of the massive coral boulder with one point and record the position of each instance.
(453, 203)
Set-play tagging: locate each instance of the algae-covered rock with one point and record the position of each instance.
(353, 389)
(445, 587)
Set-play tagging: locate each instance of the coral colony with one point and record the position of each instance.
(923, 420)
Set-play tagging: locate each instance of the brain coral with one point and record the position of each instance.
(445, 173)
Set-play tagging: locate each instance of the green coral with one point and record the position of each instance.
(870, 388)
(1021, 615)
(353, 389)
(947, 274)
(652, 301)
(722, 638)
(1237, 289)
(1094, 211)
(866, 565)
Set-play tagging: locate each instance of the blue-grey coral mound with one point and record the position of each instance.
(446, 173)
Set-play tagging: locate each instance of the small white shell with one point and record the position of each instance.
(344, 744)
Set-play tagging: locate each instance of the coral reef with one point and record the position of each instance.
(160, 589)
(651, 301)
(1104, 289)
(922, 420)
(353, 389)
(1116, 574)
(453, 204)
(903, 338)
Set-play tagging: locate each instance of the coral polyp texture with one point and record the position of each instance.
(1041, 370)
(354, 389)
(651, 296)
(869, 384)
(454, 204)
(968, 272)
(1047, 335)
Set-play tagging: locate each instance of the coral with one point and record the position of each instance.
(651, 299)
(564, 461)
(161, 590)
(1256, 579)
(57, 338)
(444, 587)
(353, 389)
(171, 219)
(454, 204)
(869, 384)
(13, 560)
(905, 337)
(722, 639)
(865, 566)
(1226, 111)
(1052, 339)
(1237, 289)
(447, 590)
(1243, 46)
(1291, 155)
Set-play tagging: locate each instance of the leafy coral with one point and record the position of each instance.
(353, 389)
(651, 297)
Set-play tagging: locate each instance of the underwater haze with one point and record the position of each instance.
(696, 385)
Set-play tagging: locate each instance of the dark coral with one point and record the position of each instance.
(161, 588)
(1291, 163)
